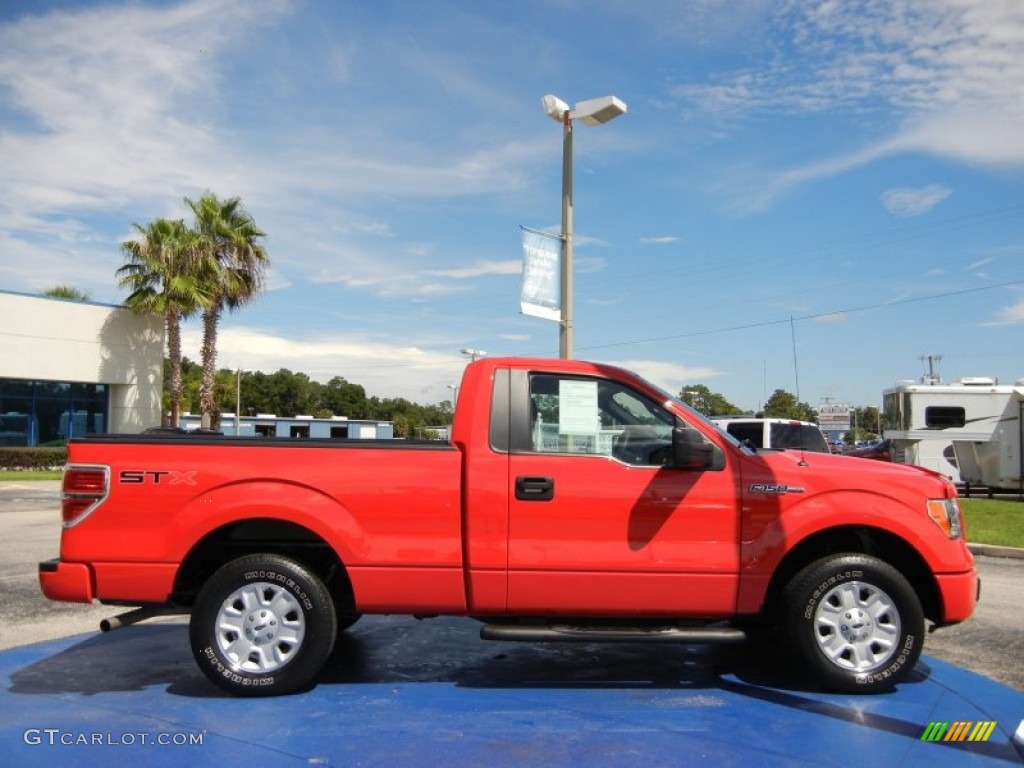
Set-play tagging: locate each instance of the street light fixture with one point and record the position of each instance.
(473, 354)
(238, 399)
(591, 112)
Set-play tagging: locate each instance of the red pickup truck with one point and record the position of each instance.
(575, 501)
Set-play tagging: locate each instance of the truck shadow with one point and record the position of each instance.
(388, 650)
(392, 651)
(130, 659)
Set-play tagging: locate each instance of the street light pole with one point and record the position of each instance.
(238, 400)
(565, 335)
(591, 112)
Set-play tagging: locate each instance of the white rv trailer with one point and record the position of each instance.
(969, 431)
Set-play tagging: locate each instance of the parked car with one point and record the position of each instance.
(880, 449)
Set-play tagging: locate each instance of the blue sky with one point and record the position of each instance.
(839, 180)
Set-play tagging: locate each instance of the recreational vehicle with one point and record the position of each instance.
(969, 431)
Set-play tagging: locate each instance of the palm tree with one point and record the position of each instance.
(165, 277)
(67, 292)
(232, 254)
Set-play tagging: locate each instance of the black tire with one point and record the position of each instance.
(263, 625)
(856, 623)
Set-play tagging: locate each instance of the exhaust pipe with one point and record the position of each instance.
(135, 616)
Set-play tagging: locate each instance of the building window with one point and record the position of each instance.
(47, 413)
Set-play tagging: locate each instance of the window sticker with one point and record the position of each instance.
(577, 407)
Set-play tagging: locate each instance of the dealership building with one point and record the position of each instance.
(68, 368)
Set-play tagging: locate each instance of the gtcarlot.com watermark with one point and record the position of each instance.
(57, 737)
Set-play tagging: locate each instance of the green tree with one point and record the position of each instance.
(864, 425)
(162, 275)
(702, 399)
(344, 398)
(286, 393)
(67, 292)
(784, 405)
(235, 261)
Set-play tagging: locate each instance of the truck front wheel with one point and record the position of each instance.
(263, 625)
(856, 622)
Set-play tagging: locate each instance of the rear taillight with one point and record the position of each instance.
(85, 487)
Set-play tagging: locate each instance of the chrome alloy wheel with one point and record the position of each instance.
(260, 627)
(857, 626)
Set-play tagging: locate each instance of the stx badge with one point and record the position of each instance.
(157, 477)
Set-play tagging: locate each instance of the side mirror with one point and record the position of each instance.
(691, 451)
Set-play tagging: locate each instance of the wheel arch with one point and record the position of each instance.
(864, 540)
(262, 536)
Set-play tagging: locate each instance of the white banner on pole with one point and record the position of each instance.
(539, 296)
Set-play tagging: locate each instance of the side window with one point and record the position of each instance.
(742, 431)
(597, 417)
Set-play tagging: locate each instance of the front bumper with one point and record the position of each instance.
(959, 593)
(69, 582)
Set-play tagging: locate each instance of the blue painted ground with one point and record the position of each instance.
(408, 693)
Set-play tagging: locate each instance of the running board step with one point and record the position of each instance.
(613, 634)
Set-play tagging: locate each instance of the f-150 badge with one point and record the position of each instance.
(774, 488)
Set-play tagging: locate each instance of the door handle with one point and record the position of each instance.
(535, 488)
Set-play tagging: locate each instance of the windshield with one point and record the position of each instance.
(697, 416)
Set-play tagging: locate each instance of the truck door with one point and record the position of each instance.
(598, 525)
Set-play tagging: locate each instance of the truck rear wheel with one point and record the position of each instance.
(263, 625)
(856, 622)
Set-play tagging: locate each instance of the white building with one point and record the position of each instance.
(72, 367)
(271, 425)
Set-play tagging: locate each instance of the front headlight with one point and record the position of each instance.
(945, 513)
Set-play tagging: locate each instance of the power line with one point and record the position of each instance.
(814, 316)
(742, 327)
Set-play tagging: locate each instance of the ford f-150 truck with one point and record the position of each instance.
(574, 501)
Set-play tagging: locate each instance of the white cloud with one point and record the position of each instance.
(659, 240)
(121, 110)
(951, 73)
(387, 274)
(589, 264)
(106, 106)
(384, 368)
(975, 270)
(761, 194)
(481, 269)
(832, 317)
(904, 202)
(1011, 315)
(412, 370)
